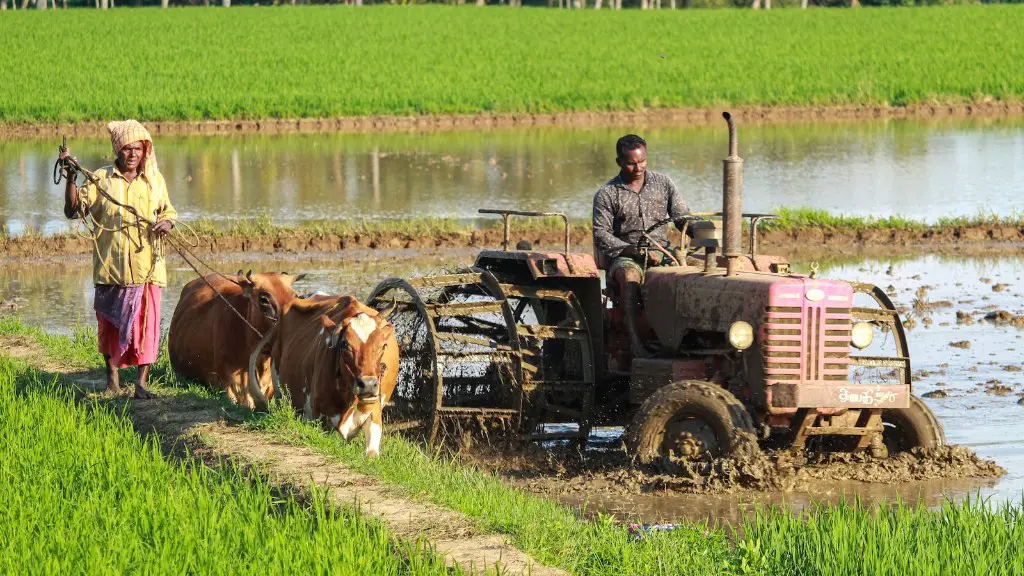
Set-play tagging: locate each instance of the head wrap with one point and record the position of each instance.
(124, 132)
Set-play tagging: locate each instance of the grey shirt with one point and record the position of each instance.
(620, 214)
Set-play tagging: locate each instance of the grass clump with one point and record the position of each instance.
(399, 61)
(804, 218)
(83, 493)
(970, 538)
(798, 218)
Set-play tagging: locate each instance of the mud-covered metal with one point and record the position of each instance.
(680, 299)
(550, 264)
(476, 350)
(505, 214)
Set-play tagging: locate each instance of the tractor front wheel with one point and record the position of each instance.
(690, 420)
(912, 427)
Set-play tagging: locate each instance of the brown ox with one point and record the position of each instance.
(209, 342)
(338, 360)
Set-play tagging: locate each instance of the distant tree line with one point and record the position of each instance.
(563, 4)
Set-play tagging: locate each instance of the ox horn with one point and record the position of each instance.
(259, 398)
(391, 310)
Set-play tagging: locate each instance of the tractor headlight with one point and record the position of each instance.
(741, 335)
(862, 335)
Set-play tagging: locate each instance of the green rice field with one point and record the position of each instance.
(335, 61)
(82, 493)
(63, 455)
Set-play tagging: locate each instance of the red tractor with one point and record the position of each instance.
(747, 353)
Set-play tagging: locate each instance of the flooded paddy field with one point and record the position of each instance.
(965, 315)
(921, 170)
(974, 389)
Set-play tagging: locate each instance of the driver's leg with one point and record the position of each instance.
(629, 278)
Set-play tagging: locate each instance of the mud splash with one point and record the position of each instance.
(563, 471)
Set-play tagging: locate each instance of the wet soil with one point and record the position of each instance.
(564, 471)
(659, 117)
(807, 242)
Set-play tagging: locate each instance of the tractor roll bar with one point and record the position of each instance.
(505, 216)
(755, 219)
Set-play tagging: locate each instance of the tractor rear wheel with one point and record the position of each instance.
(912, 427)
(690, 419)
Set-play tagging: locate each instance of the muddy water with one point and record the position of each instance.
(917, 169)
(982, 384)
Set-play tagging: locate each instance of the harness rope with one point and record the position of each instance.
(69, 168)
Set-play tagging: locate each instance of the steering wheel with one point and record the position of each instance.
(647, 243)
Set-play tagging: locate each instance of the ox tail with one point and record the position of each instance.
(259, 399)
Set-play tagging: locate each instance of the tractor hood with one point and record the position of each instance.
(682, 298)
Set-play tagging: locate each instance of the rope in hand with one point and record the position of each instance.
(69, 168)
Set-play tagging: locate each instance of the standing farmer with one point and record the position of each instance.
(127, 209)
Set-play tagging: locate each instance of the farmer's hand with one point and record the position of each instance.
(162, 228)
(65, 155)
(654, 257)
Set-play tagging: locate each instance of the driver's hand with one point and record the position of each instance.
(681, 221)
(654, 257)
(630, 252)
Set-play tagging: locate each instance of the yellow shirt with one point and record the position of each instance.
(124, 254)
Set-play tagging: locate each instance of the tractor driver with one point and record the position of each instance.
(623, 208)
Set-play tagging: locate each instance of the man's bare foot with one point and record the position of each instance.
(113, 377)
(142, 393)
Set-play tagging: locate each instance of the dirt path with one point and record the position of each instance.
(452, 534)
(181, 421)
(454, 122)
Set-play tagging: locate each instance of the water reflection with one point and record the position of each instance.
(57, 294)
(910, 168)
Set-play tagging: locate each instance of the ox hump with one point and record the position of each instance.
(363, 326)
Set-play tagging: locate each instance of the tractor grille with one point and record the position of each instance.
(806, 344)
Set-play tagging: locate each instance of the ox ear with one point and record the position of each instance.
(299, 277)
(330, 338)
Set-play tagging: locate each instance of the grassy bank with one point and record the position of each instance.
(256, 62)
(970, 538)
(83, 493)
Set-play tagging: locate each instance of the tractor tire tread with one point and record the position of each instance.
(729, 417)
(918, 420)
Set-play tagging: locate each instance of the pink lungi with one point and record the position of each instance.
(143, 342)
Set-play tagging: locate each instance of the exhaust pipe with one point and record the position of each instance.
(732, 199)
